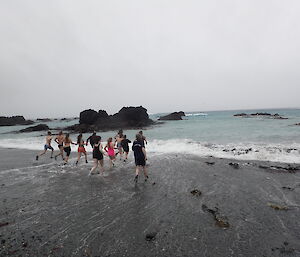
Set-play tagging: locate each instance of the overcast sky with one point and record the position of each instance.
(60, 57)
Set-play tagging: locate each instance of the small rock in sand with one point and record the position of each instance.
(196, 192)
(278, 207)
(150, 236)
(234, 165)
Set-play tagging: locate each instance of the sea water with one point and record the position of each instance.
(217, 133)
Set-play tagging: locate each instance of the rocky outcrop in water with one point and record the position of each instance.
(173, 116)
(44, 119)
(40, 127)
(128, 117)
(260, 114)
(14, 120)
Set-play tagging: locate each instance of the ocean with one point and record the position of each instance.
(215, 133)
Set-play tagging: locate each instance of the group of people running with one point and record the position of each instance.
(114, 146)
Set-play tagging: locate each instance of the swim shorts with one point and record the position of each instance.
(140, 162)
(81, 149)
(67, 150)
(48, 147)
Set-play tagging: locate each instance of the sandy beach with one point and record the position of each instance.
(52, 210)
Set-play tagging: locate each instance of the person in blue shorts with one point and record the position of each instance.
(47, 146)
(138, 148)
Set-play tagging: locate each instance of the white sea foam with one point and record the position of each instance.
(196, 114)
(241, 151)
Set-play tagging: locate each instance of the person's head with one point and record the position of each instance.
(94, 133)
(124, 136)
(49, 133)
(79, 138)
(60, 133)
(141, 132)
(138, 137)
(67, 136)
(120, 131)
(109, 140)
(98, 140)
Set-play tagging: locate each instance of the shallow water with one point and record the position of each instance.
(217, 134)
(55, 210)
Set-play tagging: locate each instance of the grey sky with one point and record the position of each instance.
(59, 57)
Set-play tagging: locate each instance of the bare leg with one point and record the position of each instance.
(78, 157)
(95, 166)
(61, 152)
(137, 170)
(85, 158)
(66, 159)
(121, 152)
(101, 166)
(110, 162)
(145, 173)
(37, 157)
(52, 153)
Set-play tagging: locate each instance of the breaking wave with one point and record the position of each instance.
(289, 153)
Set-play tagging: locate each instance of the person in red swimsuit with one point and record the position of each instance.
(81, 149)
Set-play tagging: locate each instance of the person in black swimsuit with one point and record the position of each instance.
(93, 139)
(97, 156)
(125, 146)
(140, 157)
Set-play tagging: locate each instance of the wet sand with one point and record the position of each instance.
(52, 210)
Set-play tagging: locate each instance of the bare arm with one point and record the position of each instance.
(144, 152)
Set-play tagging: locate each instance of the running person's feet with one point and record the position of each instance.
(37, 158)
(146, 178)
(76, 163)
(86, 161)
(55, 157)
(136, 178)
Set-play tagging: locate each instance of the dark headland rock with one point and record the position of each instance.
(127, 117)
(14, 120)
(44, 119)
(39, 127)
(173, 116)
(260, 114)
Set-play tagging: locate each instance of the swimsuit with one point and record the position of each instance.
(125, 146)
(97, 153)
(60, 145)
(81, 149)
(111, 152)
(139, 156)
(48, 147)
(67, 150)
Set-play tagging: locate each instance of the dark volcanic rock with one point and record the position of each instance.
(240, 115)
(151, 236)
(196, 192)
(127, 117)
(221, 221)
(173, 116)
(234, 165)
(260, 114)
(39, 127)
(14, 120)
(88, 117)
(44, 119)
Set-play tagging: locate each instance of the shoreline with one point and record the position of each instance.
(54, 210)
